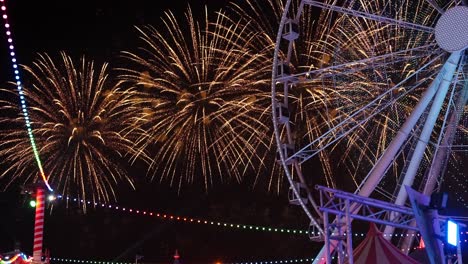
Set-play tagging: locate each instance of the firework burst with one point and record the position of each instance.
(321, 100)
(83, 125)
(201, 90)
(405, 51)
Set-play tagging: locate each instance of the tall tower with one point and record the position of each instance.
(176, 257)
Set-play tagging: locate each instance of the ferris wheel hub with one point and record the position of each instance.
(451, 30)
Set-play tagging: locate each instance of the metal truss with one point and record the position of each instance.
(363, 208)
(346, 207)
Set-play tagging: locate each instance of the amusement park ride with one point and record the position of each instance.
(445, 28)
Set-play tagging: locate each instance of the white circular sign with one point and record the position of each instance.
(451, 31)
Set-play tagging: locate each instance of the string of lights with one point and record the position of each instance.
(70, 260)
(185, 219)
(20, 91)
(66, 260)
(165, 216)
(457, 180)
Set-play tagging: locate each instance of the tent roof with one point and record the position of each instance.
(376, 249)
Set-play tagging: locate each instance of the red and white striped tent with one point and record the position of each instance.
(376, 249)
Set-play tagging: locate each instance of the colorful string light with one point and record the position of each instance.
(188, 219)
(65, 260)
(8, 260)
(184, 219)
(276, 261)
(298, 260)
(20, 92)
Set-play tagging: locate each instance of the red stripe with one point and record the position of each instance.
(376, 249)
(38, 224)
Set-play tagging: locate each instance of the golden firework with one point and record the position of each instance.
(83, 124)
(201, 85)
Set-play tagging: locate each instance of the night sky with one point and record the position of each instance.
(100, 30)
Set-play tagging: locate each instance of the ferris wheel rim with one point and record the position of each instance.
(275, 124)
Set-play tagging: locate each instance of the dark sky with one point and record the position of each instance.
(101, 29)
(98, 28)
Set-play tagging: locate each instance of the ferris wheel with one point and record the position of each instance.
(381, 86)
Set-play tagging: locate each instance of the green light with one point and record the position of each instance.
(32, 203)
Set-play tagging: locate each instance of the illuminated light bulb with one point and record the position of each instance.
(32, 203)
(51, 197)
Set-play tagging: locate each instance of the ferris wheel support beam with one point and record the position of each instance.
(442, 152)
(375, 175)
(444, 148)
(449, 70)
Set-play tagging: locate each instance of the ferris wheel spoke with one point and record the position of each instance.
(436, 6)
(356, 119)
(378, 18)
(359, 65)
